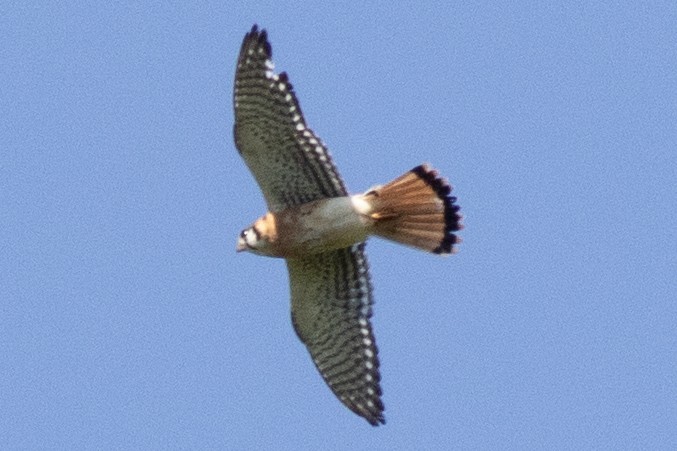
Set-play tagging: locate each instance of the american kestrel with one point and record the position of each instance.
(320, 230)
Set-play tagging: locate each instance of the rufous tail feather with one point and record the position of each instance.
(416, 209)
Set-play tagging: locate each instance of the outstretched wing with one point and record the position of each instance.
(291, 165)
(331, 306)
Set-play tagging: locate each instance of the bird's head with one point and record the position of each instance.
(258, 237)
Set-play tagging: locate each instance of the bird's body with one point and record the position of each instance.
(318, 226)
(320, 230)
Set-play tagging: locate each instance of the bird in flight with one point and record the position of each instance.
(320, 230)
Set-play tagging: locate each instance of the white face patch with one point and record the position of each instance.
(248, 240)
(252, 237)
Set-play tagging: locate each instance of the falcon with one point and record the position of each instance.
(320, 230)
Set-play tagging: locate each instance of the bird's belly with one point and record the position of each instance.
(319, 226)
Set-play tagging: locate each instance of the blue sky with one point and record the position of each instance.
(128, 321)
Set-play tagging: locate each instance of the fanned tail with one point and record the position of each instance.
(416, 209)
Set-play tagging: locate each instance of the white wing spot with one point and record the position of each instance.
(365, 331)
(269, 64)
(369, 365)
(369, 353)
(300, 126)
(367, 341)
(370, 403)
(281, 86)
(296, 118)
(269, 74)
(370, 391)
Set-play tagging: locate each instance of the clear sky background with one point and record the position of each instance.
(128, 321)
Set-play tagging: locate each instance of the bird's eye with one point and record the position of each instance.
(243, 234)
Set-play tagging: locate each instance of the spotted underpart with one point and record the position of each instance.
(290, 163)
(331, 307)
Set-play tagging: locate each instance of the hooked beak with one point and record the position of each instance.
(241, 245)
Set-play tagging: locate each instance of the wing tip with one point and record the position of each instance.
(377, 420)
(372, 412)
(259, 38)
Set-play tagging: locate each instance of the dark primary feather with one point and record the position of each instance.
(290, 163)
(331, 306)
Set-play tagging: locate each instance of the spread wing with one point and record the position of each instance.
(331, 306)
(291, 165)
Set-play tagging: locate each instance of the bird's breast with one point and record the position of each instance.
(319, 226)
